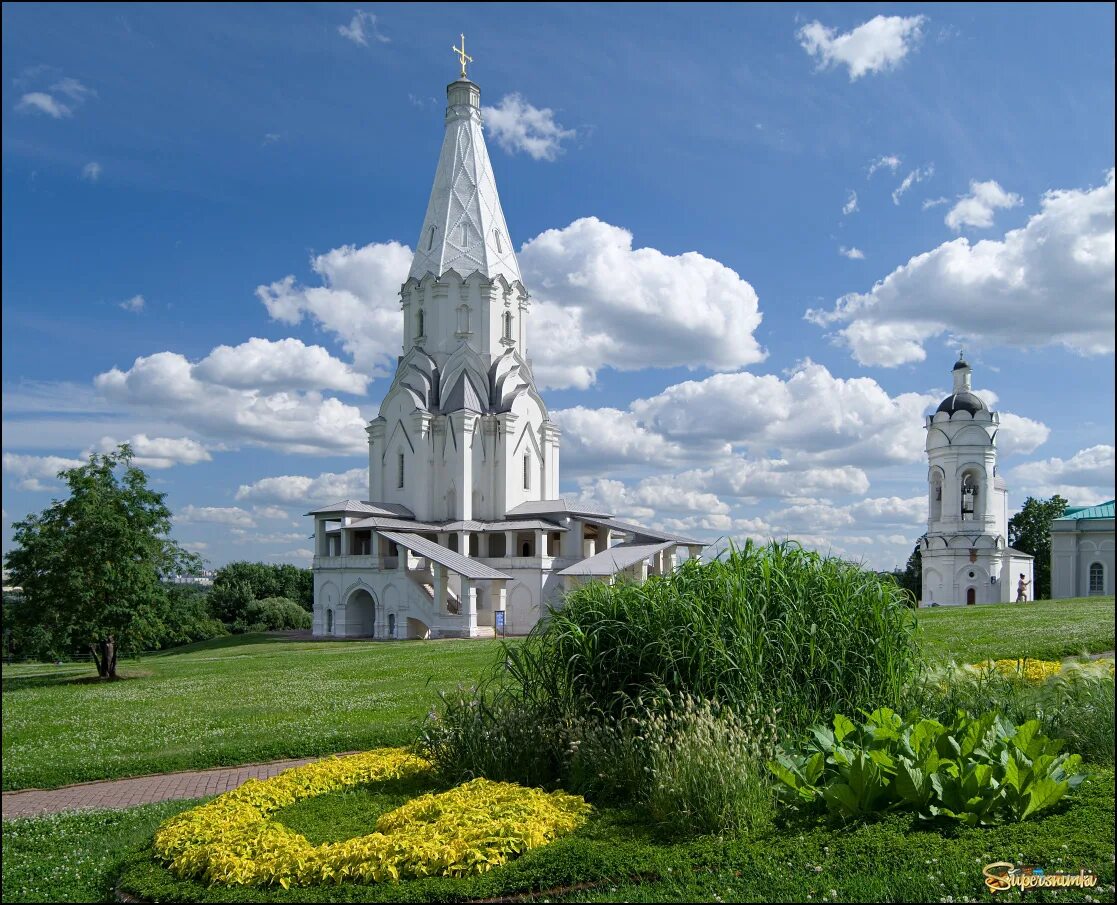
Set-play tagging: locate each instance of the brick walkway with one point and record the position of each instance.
(124, 793)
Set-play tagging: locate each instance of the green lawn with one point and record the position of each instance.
(252, 698)
(1044, 629)
(224, 703)
(614, 858)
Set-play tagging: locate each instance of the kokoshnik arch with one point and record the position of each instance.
(464, 528)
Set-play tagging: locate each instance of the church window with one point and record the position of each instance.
(496, 240)
(430, 240)
(420, 324)
(936, 496)
(507, 324)
(527, 471)
(391, 625)
(399, 471)
(329, 622)
(1097, 579)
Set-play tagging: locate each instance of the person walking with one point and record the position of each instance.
(1022, 589)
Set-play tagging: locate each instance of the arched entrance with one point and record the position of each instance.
(971, 596)
(360, 614)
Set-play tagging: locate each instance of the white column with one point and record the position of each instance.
(510, 544)
(469, 602)
(375, 432)
(540, 542)
(440, 588)
(346, 539)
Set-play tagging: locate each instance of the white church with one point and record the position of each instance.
(966, 556)
(464, 533)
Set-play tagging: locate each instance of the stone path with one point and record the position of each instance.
(124, 793)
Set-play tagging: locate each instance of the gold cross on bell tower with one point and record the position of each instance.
(462, 55)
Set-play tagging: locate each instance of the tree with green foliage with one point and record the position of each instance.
(91, 565)
(1030, 531)
(911, 579)
(237, 584)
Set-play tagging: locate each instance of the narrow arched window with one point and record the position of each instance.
(527, 471)
(391, 625)
(399, 471)
(420, 323)
(496, 240)
(430, 240)
(1097, 579)
(329, 622)
(507, 324)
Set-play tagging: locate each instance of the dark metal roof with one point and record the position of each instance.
(960, 363)
(962, 402)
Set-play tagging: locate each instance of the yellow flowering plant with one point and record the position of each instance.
(467, 830)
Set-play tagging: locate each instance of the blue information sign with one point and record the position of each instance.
(499, 621)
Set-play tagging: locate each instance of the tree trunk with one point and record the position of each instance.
(104, 656)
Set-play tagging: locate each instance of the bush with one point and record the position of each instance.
(973, 770)
(761, 626)
(239, 583)
(272, 614)
(185, 617)
(691, 766)
(760, 630)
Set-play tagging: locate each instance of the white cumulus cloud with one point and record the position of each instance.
(851, 204)
(303, 490)
(1051, 282)
(874, 46)
(159, 452)
(854, 253)
(1085, 478)
(278, 364)
(599, 301)
(231, 516)
(518, 126)
(978, 208)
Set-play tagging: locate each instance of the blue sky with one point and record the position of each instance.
(914, 176)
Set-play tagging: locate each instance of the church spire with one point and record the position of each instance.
(464, 228)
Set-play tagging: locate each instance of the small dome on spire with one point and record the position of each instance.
(961, 363)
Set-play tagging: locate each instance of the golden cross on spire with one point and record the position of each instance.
(462, 55)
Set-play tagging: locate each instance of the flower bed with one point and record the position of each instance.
(1041, 670)
(467, 830)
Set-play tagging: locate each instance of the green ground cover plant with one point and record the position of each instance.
(618, 857)
(1039, 629)
(264, 700)
(976, 770)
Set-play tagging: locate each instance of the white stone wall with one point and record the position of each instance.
(1075, 546)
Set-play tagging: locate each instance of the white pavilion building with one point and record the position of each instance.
(966, 556)
(464, 533)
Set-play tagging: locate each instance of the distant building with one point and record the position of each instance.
(203, 578)
(966, 556)
(1082, 552)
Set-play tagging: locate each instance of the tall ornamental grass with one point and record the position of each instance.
(769, 630)
(762, 626)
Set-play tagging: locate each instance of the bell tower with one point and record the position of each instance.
(967, 519)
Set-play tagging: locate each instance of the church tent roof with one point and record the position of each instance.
(642, 532)
(611, 561)
(348, 507)
(455, 562)
(516, 525)
(553, 507)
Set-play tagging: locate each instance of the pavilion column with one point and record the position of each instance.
(575, 539)
(321, 547)
(440, 588)
(463, 543)
(510, 544)
(346, 538)
(540, 542)
(469, 602)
